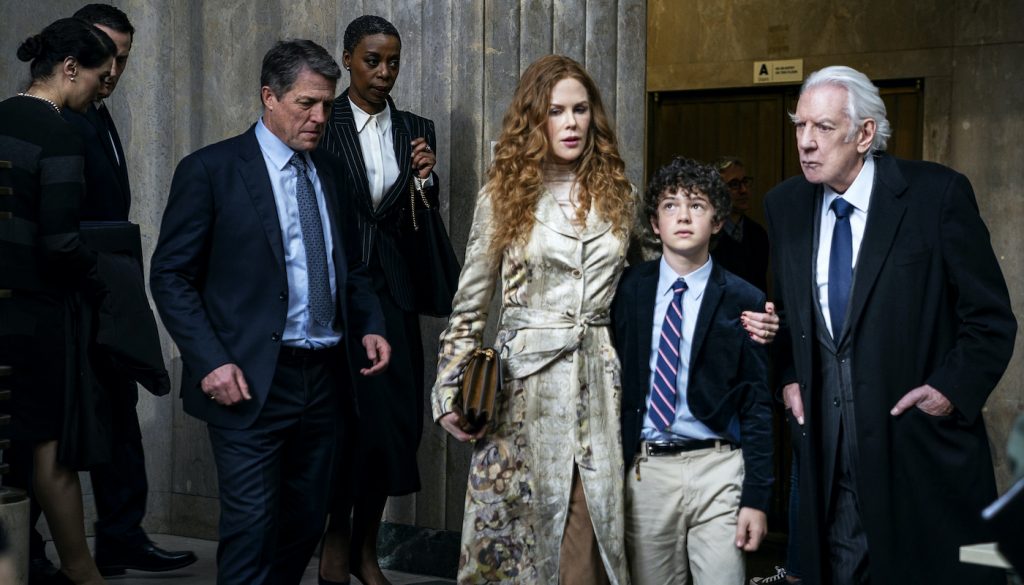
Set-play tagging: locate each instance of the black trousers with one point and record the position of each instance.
(274, 476)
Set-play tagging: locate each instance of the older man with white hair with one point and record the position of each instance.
(899, 326)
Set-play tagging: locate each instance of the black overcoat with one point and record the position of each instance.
(928, 306)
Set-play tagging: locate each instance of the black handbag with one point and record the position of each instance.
(433, 267)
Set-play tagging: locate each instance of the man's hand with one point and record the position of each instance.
(454, 423)
(378, 351)
(761, 327)
(751, 526)
(791, 397)
(226, 385)
(927, 398)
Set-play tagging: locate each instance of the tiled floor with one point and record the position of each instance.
(204, 571)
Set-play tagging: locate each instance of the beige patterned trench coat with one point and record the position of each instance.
(560, 401)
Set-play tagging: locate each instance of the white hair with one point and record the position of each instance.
(862, 101)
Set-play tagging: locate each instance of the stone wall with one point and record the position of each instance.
(193, 79)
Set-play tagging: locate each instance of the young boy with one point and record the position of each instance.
(696, 411)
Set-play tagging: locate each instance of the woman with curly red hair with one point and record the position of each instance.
(552, 224)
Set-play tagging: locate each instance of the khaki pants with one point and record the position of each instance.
(580, 559)
(681, 518)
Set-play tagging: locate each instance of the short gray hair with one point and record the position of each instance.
(286, 59)
(862, 101)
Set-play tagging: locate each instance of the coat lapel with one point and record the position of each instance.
(884, 217)
(799, 264)
(254, 173)
(351, 152)
(712, 296)
(403, 155)
(550, 214)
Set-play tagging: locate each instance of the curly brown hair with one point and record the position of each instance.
(515, 178)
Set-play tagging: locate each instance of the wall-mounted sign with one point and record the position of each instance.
(788, 71)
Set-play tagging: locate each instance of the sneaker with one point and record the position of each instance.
(779, 578)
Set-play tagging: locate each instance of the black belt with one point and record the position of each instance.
(294, 355)
(660, 449)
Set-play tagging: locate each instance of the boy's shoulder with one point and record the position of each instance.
(742, 291)
(635, 271)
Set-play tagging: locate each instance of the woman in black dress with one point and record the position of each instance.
(386, 151)
(43, 261)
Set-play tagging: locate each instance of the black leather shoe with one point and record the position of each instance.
(141, 557)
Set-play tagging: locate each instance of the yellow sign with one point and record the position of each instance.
(788, 71)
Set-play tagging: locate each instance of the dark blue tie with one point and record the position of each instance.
(840, 265)
(666, 370)
(321, 302)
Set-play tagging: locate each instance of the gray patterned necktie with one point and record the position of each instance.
(321, 302)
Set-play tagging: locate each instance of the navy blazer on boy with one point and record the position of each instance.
(728, 376)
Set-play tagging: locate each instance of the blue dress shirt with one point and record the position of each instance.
(300, 330)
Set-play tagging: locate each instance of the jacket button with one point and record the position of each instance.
(577, 273)
(835, 402)
(283, 296)
(275, 336)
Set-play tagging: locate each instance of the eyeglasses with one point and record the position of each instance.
(735, 184)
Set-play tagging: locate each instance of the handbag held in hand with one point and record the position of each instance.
(481, 382)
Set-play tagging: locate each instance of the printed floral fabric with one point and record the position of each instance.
(559, 406)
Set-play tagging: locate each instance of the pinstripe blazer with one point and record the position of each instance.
(381, 228)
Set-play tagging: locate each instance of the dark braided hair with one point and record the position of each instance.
(367, 25)
(67, 37)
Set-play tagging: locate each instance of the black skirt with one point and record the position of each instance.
(33, 333)
(378, 455)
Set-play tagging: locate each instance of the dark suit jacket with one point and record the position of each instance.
(382, 230)
(108, 195)
(728, 371)
(928, 305)
(218, 273)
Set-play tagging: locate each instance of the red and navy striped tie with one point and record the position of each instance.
(663, 392)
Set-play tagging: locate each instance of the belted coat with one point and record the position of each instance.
(559, 406)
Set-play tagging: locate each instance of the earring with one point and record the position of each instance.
(72, 78)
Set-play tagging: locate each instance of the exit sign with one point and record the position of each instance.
(788, 71)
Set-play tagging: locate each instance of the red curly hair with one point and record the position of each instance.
(515, 178)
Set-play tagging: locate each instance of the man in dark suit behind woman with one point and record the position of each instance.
(119, 487)
(257, 277)
(387, 151)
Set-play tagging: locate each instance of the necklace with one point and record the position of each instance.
(41, 98)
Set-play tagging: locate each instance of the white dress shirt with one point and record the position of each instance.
(378, 148)
(300, 330)
(859, 196)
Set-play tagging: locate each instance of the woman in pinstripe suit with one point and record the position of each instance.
(385, 150)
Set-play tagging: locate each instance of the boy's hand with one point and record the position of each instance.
(751, 526)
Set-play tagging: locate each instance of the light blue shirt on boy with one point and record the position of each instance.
(686, 427)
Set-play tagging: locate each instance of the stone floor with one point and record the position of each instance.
(204, 571)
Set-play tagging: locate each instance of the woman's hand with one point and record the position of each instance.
(761, 326)
(423, 159)
(454, 424)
